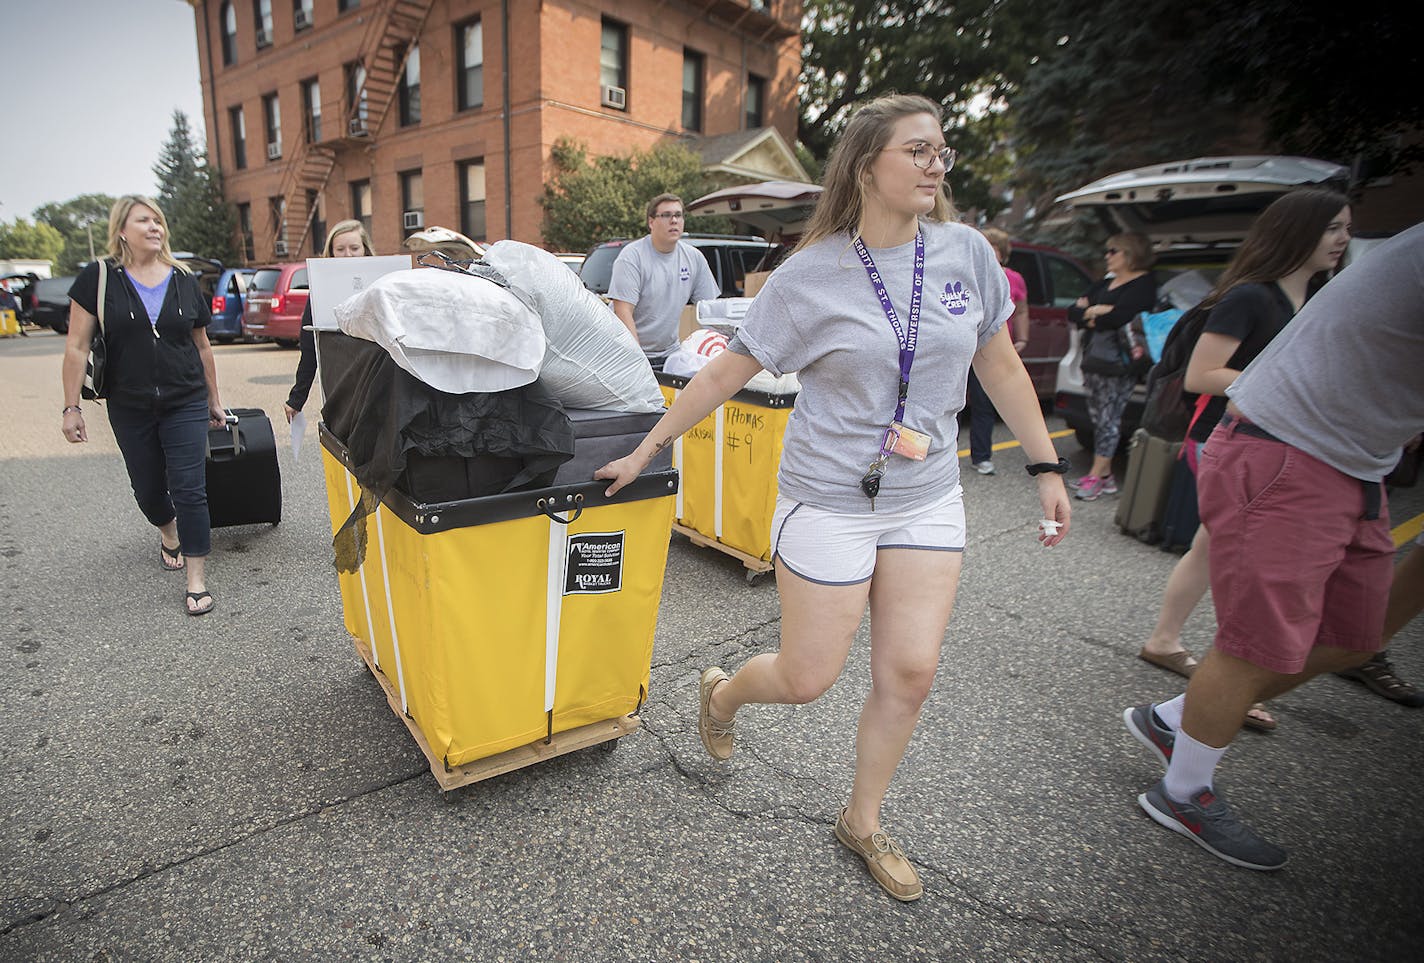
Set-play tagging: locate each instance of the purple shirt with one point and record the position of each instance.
(152, 297)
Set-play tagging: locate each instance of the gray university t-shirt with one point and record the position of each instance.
(659, 286)
(1345, 380)
(820, 316)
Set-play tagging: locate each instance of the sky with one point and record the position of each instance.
(90, 87)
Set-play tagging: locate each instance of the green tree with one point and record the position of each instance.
(967, 55)
(27, 240)
(190, 193)
(80, 221)
(588, 201)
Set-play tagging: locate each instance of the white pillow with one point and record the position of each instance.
(592, 360)
(453, 331)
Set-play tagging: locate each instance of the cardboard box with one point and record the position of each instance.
(753, 282)
(687, 323)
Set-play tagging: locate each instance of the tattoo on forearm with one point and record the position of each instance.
(661, 445)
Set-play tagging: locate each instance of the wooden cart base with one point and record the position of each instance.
(755, 566)
(570, 740)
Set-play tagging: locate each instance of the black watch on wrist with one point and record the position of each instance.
(1059, 467)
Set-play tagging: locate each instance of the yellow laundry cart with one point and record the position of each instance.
(9, 323)
(728, 463)
(510, 628)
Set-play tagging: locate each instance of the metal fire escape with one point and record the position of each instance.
(392, 30)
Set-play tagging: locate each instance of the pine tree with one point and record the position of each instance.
(190, 193)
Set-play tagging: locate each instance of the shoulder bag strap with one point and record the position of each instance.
(103, 291)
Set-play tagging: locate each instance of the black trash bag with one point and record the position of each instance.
(385, 416)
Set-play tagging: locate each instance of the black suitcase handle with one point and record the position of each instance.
(233, 446)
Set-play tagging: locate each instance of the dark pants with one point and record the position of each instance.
(981, 422)
(165, 453)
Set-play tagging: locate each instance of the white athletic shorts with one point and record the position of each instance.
(833, 548)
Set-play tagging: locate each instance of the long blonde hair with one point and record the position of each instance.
(346, 227)
(119, 248)
(842, 201)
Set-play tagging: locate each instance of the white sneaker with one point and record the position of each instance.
(984, 467)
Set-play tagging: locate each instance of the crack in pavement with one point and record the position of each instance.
(61, 904)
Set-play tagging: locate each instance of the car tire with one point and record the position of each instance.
(224, 338)
(1084, 437)
(61, 327)
(288, 342)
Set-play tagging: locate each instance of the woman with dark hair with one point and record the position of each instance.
(1109, 305)
(883, 307)
(1287, 254)
(160, 382)
(345, 239)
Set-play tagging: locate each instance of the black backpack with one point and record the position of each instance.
(1167, 412)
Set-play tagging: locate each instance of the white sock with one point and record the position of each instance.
(1192, 767)
(1169, 713)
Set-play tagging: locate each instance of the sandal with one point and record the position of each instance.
(1181, 662)
(1267, 724)
(197, 598)
(170, 558)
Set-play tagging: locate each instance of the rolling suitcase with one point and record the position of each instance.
(1145, 486)
(244, 483)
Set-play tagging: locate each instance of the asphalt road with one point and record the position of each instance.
(235, 787)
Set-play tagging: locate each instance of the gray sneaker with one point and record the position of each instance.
(1142, 722)
(1207, 821)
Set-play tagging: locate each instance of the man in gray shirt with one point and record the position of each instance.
(1301, 550)
(655, 276)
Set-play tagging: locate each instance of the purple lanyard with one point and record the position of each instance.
(907, 336)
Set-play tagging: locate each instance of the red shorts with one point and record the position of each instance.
(1293, 562)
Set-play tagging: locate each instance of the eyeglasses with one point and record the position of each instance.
(923, 155)
(670, 216)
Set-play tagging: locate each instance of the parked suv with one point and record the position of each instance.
(51, 305)
(730, 256)
(227, 305)
(1195, 212)
(276, 298)
(22, 286)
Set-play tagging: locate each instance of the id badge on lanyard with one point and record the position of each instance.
(899, 439)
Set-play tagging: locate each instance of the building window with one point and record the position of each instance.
(301, 14)
(356, 98)
(272, 119)
(277, 211)
(472, 199)
(239, 137)
(756, 101)
(412, 188)
(470, 69)
(361, 203)
(316, 212)
(692, 72)
(229, 34)
(344, 5)
(262, 13)
(311, 110)
(244, 227)
(410, 89)
(613, 55)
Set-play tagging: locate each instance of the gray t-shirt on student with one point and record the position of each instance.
(659, 286)
(819, 315)
(1345, 380)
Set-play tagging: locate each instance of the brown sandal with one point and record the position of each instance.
(1260, 725)
(1182, 662)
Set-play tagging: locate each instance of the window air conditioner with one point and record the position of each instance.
(358, 127)
(301, 18)
(413, 220)
(614, 97)
(264, 39)
(274, 151)
(280, 249)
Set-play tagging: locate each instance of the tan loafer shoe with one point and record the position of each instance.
(885, 860)
(716, 734)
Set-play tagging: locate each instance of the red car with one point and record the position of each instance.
(276, 298)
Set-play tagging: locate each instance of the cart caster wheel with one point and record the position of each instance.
(609, 746)
(753, 575)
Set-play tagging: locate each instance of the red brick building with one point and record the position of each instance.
(401, 112)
